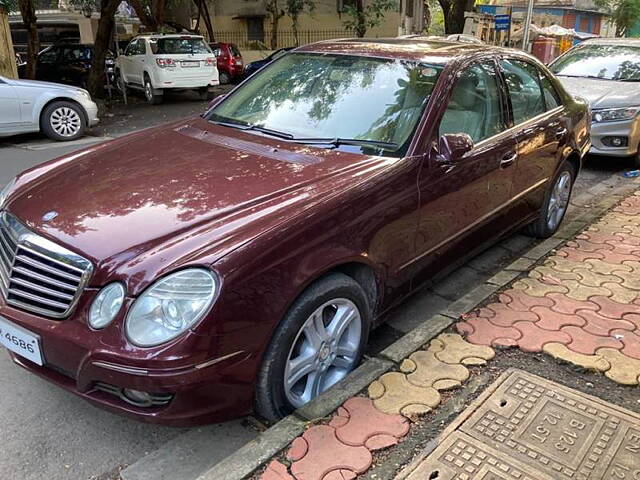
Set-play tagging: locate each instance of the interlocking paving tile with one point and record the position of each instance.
(532, 429)
(569, 306)
(425, 370)
(631, 342)
(481, 331)
(451, 348)
(534, 338)
(589, 362)
(624, 369)
(358, 423)
(550, 320)
(326, 455)
(587, 343)
(518, 300)
(393, 393)
(612, 309)
(596, 324)
(276, 471)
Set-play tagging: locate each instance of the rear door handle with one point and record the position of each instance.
(509, 159)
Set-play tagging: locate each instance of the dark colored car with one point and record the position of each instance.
(189, 272)
(253, 67)
(67, 63)
(230, 62)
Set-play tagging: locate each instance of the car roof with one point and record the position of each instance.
(631, 42)
(414, 48)
(168, 35)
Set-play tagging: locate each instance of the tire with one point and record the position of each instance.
(63, 121)
(205, 94)
(333, 296)
(150, 94)
(636, 159)
(555, 203)
(224, 78)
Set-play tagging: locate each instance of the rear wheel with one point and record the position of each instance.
(224, 78)
(150, 94)
(63, 121)
(555, 204)
(320, 340)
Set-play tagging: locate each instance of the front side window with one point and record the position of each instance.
(609, 62)
(50, 56)
(475, 107)
(524, 89)
(551, 97)
(305, 95)
(178, 46)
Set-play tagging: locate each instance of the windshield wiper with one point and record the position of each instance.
(228, 122)
(593, 77)
(347, 141)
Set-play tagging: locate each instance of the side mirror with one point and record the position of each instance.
(453, 146)
(215, 101)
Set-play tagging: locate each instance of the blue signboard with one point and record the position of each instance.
(503, 22)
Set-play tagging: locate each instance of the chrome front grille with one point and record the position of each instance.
(36, 274)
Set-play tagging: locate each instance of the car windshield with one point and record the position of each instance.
(323, 97)
(609, 62)
(173, 46)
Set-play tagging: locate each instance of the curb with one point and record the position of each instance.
(249, 458)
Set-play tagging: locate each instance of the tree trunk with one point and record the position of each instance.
(158, 11)
(33, 43)
(454, 14)
(294, 27)
(427, 16)
(106, 24)
(207, 20)
(361, 27)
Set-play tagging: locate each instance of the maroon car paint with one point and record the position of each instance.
(269, 217)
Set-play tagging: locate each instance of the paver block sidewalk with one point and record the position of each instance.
(341, 448)
(582, 305)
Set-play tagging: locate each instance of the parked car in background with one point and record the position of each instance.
(155, 63)
(68, 63)
(230, 62)
(606, 72)
(251, 249)
(253, 67)
(59, 111)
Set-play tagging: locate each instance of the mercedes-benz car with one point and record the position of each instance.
(237, 260)
(606, 72)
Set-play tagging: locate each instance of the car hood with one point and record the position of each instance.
(603, 93)
(147, 202)
(43, 85)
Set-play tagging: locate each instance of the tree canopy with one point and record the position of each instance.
(624, 13)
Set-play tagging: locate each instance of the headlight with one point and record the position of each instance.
(170, 307)
(106, 305)
(84, 93)
(4, 193)
(615, 114)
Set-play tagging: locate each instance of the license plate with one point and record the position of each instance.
(20, 341)
(190, 64)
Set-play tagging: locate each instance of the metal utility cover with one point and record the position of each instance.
(529, 428)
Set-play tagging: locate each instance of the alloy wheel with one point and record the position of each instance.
(65, 121)
(324, 351)
(148, 91)
(559, 200)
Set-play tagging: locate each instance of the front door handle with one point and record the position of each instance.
(509, 159)
(560, 133)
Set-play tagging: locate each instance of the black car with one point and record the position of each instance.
(67, 63)
(253, 67)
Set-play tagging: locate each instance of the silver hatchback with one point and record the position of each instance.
(606, 72)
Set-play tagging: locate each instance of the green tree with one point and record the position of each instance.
(276, 13)
(453, 11)
(361, 18)
(293, 9)
(624, 13)
(106, 24)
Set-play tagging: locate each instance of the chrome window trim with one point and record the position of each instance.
(37, 245)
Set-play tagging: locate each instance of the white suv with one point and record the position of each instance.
(156, 62)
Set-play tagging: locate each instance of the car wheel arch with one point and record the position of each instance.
(85, 117)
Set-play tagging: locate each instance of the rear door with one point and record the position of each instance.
(460, 203)
(540, 126)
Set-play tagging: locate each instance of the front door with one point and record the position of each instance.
(48, 63)
(9, 106)
(457, 201)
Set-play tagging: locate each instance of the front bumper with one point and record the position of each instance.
(626, 128)
(91, 110)
(83, 361)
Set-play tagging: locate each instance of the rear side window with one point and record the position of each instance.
(177, 46)
(551, 97)
(524, 90)
(234, 50)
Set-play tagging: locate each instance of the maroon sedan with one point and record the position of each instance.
(238, 260)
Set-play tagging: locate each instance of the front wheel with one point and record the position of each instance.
(555, 204)
(63, 121)
(320, 340)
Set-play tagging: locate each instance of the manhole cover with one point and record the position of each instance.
(531, 428)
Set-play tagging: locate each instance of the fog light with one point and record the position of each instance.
(136, 397)
(615, 141)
